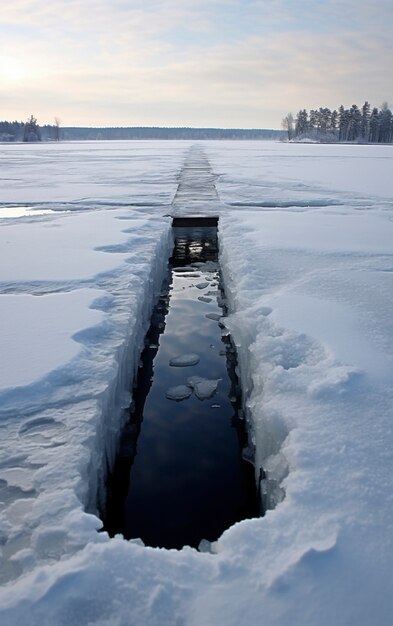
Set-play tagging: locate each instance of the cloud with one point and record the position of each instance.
(224, 63)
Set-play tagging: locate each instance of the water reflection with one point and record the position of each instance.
(180, 476)
(23, 211)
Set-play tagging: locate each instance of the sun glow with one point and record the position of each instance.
(12, 70)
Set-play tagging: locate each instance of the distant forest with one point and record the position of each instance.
(362, 125)
(30, 131)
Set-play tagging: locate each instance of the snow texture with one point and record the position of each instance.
(306, 241)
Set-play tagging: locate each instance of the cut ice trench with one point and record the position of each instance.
(184, 472)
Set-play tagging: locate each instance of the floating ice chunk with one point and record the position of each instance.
(202, 285)
(193, 380)
(213, 316)
(180, 392)
(204, 299)
(203, 387)
(184, 360)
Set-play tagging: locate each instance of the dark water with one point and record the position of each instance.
(180, 476)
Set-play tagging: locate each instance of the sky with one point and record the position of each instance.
(216, 63)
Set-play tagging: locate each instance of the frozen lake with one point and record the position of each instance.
(306, 253)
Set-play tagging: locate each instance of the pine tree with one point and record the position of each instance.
(365, 127)
(373, 134)
(334, 121)
(313, 120)
(355, 123)
(385, 124)
(343, 123)
(31, 130)
(301, 123)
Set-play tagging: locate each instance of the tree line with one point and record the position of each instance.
(364, 125)
(163, 133)
(30, 131)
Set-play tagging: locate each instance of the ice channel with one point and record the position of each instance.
(181, 474)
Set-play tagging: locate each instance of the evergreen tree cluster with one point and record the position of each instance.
(356, 124)
(29, 131)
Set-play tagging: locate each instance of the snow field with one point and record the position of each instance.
(274, 174)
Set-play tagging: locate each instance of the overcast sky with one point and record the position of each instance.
(221, 63)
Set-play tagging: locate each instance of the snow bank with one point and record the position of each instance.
(74, 313)
(310, 295)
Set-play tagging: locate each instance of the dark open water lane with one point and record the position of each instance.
(180, 476)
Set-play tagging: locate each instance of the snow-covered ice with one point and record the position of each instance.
(32, 345)
(306, 247)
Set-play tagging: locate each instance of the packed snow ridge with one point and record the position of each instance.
(306, 236)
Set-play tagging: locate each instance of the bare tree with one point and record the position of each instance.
(288, 125)
(57, 128)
